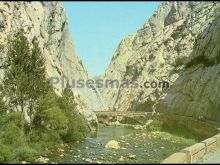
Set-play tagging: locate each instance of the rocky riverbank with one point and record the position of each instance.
(133, 146)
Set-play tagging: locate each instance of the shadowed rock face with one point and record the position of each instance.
(47, 23)
(178, 44)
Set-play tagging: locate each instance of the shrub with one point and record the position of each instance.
(11, 130)
(56, 119)
(178, 61)
(11, 134)
(156, 125)
(49, 119)
(25, 153)
(77, 126)
(77, 129)
(5, 153)
(14, 117)
(200, 60)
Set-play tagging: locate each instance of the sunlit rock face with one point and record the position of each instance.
(168, 48)
(47, 23)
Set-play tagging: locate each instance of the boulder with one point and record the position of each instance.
(112, 144)
(42, 159)
(131, 156)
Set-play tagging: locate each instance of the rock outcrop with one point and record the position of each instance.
(178, 44)
(47, 23)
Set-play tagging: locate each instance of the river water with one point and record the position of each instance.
(146, 147)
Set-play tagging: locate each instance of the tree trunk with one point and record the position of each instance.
(22, 119)
(31, 111)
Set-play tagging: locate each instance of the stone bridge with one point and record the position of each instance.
(121, 113)
(124, 117)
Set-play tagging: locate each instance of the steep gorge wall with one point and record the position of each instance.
(196, 91)
(173, 45)
(47, 23)
(178, 44)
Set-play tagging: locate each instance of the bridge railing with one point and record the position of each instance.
(120, 113)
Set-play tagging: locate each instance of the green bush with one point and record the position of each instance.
(201, 60)
(178, 61)
(13, 143)
(77, 129)
(156, 125)
(5, 153)
(11, 135)
(58, 120)
(15, 117)
(25, 153)
(49, 119)
(11, 130)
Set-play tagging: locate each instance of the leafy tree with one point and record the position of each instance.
(38, 85)
(25, 78)
(77, 126)
(15, 80)
(15, 77)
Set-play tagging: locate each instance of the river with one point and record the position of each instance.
(145, 146)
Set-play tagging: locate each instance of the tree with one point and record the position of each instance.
(38, 85)
(67, 94)
(25, 79)
(15, 80)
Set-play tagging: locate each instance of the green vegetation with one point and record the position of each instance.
(202, 59)
(199, 60)
(175, 129)
(156, 125)
(187, 141)
(178, 61)
(32, 116)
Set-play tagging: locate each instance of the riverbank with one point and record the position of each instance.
(136, 146)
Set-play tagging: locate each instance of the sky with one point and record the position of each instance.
(98, 27)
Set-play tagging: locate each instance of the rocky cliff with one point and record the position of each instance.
(178, 44)
(47, 23)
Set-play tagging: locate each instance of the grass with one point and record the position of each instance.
(174, 129)
(176, 138)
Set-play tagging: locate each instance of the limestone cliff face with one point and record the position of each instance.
(178, 44)
(196, 91)
(47, 23)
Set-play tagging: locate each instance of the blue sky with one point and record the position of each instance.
(98, 27)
